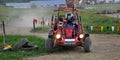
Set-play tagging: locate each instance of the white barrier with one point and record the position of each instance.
(102, 28)
(113, 28)
(91, 27)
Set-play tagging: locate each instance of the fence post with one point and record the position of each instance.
(34, 24)
(4, 33)
(3, 24)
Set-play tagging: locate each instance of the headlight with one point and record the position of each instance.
(81, 36)
(58, 36)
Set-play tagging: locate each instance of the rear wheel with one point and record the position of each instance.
(87, 44)
(49, 45)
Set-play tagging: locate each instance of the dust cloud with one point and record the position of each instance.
(21, 21)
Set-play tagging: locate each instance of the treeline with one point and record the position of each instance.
(18, 1)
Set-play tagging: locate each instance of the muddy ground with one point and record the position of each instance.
(104, 47)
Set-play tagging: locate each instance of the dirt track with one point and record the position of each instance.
(104, 47)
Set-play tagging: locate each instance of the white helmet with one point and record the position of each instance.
(69, 15)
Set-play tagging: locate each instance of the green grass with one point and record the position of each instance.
(90, 18)
(96, 19)
(19, 55)
(99, 7)
(8, 13)
(40, 30)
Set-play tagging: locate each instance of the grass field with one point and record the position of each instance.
(18, 55)
(8, 13)
(90, 18)
(99, 7)
(40, 30)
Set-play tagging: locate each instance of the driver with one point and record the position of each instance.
(70, 19)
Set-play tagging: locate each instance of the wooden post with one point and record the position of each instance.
(4, 33)
(3, 24)
(33, 24)
(0, 24)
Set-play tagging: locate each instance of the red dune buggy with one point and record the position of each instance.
(62, 35)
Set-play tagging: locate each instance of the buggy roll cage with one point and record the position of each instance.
(73, 10)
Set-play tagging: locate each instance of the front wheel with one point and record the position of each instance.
(49, 45)
(87, 44)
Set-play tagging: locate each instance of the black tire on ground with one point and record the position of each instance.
(20, 44)
(49, 45)
(87, 44)
(27, 48)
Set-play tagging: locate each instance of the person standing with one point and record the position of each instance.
(42, 22)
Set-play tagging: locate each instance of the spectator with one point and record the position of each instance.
(42, 22)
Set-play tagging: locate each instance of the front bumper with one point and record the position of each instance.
(69, 42)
